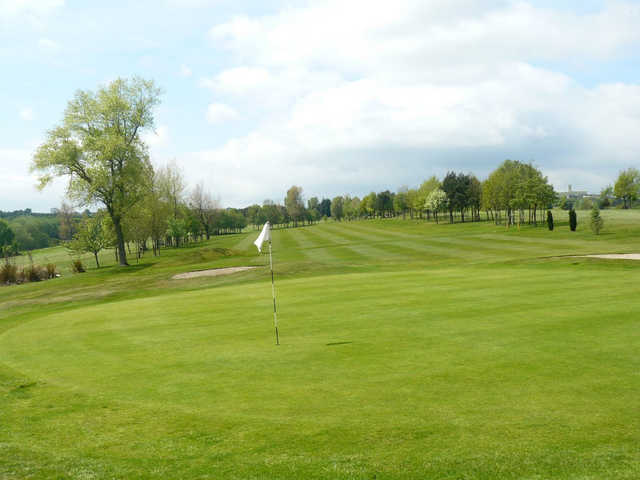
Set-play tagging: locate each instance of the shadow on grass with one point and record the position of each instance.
(337, 343)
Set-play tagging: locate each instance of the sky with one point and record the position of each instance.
(337, 96)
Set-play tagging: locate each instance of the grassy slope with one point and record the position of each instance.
(410, 350)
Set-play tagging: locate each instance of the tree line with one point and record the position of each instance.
(98, 147)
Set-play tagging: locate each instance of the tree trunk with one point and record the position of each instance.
(120, 239)
(95, 254)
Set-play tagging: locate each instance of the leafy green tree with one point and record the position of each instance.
(313, 207)
(202, 206)
(99, 147)
(384, 203)
(176, 230)
(627, 186)
(437, 202)
(272, 213)
(6, 237)
(91, 237)
(401, 202)
(172, 186)
(68, 220)
(596, 220)
(513, 187)
(294, 204)
(605, 193)
(337, 208)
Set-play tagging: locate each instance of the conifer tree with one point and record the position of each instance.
(573, 220)
(596, 220)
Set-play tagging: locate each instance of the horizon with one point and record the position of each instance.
(344, 99)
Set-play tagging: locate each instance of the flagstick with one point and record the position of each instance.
(273, 293)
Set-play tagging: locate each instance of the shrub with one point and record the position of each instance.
(33, 273)
(51, 270)
(20, 278)
(8, 273)
(550, 219)
(77, 266)
(573, 220)
(596, 220)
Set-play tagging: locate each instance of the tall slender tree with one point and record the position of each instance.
(98, 146)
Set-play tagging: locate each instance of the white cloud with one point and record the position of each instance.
(157, 140)
(185, 71)
(219, 112)
(48, 45)
(341, 81)
(29, 12)
(26, 114)
(19, 185)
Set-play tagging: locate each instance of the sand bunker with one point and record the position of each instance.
(616, 256)
(214, 272)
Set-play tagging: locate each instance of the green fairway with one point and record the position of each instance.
(409, 350)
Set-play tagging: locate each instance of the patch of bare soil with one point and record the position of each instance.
(214, 272)
(616, 256)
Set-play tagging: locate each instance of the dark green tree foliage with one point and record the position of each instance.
(550, 219)
(325, 208)
(573, 220)
(384, 203)
(459, 189)
(6, 237)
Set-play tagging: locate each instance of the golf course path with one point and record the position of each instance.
(214, 272)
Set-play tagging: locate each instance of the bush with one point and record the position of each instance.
(51, 270)
(550, 219)
(77, 266)
(573, 220)
(8, 273)
(34, 273)
(596, 220)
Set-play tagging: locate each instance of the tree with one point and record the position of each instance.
(627, 186)
(384, 203)
(176, 230)
(596, 220)
(294, 204)
(6, 237)
(66, 217)
(550, 220)
(99, 147)
(172, 186)
(513, 187)
(337, 208)
(573, 220)
(454, 187)
(313, 207)
(202, 205)
(605, 193)
(401, 201)
(91, 237)
(437, 202)
(325, 207)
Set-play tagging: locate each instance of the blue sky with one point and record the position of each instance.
(338, 97)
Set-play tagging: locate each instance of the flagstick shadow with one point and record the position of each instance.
(337, 343)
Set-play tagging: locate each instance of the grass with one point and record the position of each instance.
(409, 350)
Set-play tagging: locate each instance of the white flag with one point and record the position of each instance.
(265, 236)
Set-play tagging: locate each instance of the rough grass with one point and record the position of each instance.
(409, 350)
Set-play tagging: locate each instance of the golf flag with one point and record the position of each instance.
(265, 236)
